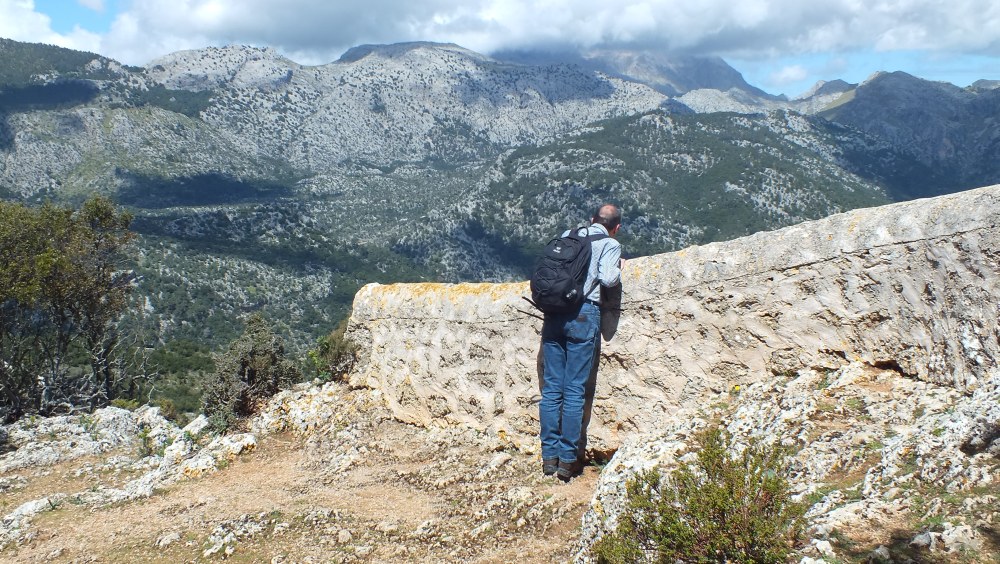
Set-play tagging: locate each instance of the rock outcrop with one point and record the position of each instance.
(865, 343)
(910, 287)
(879, 460)
(140, 442)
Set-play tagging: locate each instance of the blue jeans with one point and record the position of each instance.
(568, 345)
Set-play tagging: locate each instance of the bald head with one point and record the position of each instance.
(608, 215)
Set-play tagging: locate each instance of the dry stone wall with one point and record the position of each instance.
(909, 287)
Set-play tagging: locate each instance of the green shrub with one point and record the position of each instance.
(252, 370)
(123, 403)
(167, 408)
(717, 508)
(146, 442)
(334, 355)
(64, 290)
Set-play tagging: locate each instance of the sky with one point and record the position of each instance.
(781, 46)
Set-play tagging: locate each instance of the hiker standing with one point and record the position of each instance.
(569, 340)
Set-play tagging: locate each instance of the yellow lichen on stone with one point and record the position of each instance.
(641, 269)
(435, 292)
(855, 221)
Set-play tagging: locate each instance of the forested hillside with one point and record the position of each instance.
(258, 185)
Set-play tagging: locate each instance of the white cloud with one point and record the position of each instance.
(20, 21)
(95, 5)
(789, 75)
(315, 31)
(708, 25)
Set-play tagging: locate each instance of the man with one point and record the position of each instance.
(569, 342)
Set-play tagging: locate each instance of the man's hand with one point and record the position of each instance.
(621, 263)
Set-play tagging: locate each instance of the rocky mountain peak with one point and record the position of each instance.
(399, 50)
(404, 102)
(214, 67)
(672, 74)
(985, 85)
(903, 81)
(827, 87)
(900, 88)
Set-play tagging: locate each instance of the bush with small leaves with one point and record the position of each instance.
(334, 355)
(720, 507)
(252, 370)
(167, 408)
(123, 403)
(64, 290)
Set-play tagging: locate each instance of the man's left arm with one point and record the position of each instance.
(610, 272)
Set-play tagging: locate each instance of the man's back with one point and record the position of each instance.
(569, 344)
(605, 263)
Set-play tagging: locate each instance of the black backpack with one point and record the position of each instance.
(559, 276)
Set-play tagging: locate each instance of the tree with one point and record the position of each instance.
(63, 291)
(252, 370)
(21, 257)
(103, 288)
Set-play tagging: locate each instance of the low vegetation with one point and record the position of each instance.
(719, 507)
(252, 370)
(334, 354)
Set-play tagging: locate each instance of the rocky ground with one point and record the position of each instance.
(324, 475)
(892, 469)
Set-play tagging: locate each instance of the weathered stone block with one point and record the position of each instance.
(910, 286)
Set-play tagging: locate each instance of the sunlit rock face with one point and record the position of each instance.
(909, 287)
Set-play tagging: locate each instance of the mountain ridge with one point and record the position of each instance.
(389, 163)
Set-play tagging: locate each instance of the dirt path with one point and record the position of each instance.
(372, 489)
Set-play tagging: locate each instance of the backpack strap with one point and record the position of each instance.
(589, 238)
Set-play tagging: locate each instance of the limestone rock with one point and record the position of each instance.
(46, 441)
(165, 455)
(875, 441)
(197, 425)
(909, 286)
(168, 539)
(221, 449)
(961, 539)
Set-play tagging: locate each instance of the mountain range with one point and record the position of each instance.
(262, 184)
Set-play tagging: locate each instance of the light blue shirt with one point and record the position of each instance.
(605, 263)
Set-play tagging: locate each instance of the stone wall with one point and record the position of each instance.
(910, 287)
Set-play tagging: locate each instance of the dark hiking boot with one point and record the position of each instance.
(550, 466)
(568, 470)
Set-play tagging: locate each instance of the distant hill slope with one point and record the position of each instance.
(263, 185)
(670, 74)
(35, 63)
(681, 179)
(955, 132)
